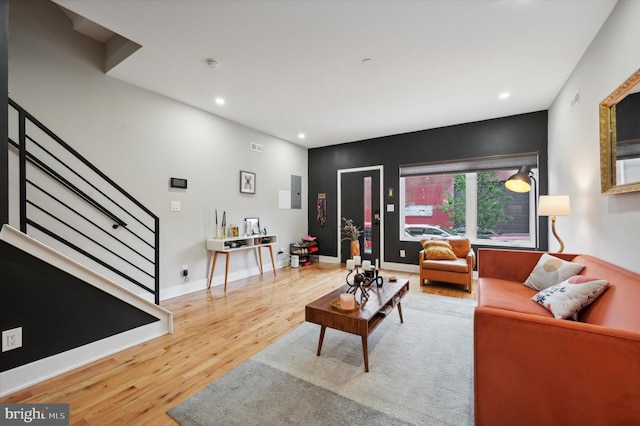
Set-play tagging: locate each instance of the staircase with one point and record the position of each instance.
(81, 274)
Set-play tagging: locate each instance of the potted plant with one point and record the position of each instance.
(351, 232)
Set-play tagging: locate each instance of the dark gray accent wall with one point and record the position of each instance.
(508, 135)
(57, 311)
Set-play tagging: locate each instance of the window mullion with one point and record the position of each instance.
(471, 198)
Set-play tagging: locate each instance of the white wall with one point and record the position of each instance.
(140, 140)
(604, 226)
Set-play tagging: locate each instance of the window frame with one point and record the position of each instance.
(465, 166)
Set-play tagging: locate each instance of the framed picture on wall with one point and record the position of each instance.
(247, 182)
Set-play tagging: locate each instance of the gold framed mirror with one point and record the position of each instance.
(620, 138)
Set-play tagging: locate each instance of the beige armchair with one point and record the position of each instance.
(451, 261)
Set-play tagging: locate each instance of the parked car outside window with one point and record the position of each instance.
(425, 231)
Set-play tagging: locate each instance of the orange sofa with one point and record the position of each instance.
(458, 271)
(531, 368)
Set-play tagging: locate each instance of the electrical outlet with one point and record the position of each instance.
(402, 253)
(185, 270)
(11, 339)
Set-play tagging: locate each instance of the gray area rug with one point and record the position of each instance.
(420, 373)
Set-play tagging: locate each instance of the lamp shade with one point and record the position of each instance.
(520, 182)
(554, 205)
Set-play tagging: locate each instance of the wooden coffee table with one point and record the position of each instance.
(361, 322)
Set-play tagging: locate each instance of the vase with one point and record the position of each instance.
(355, 248)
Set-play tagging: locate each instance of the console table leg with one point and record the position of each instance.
(260, 257)
(322, 330)
(400, 312)
(226, 272)
(213, 267)
(365, 351)
(273, 265)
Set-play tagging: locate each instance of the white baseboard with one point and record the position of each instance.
(193, 286)
(38, 371)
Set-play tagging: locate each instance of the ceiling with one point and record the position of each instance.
(347, 70)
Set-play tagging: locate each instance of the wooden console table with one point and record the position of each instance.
(232, 244)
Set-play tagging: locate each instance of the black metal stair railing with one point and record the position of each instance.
(65, 198)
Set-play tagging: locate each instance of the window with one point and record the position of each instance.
(468, 198)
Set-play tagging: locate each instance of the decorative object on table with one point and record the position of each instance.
(247, 182)
(358, 283)
(217, 230)
(351, 232)
(223, 233)
(346, 303)
(555, 205)
(221, 230)
(371, 275)
(251, 226)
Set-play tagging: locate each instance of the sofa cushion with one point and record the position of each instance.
(460, 246)
(618, 306)
(550, 271)
(508, 295)
(566, 299)
(439, 253)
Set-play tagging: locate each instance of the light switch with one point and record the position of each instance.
(175, 206)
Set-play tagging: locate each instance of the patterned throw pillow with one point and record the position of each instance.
(440, 253)
(570, 296)
(551, 270)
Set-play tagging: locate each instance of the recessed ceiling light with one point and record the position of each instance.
(301, 136)
(504, 95)
(220, 101)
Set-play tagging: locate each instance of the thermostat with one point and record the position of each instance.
(178, 183)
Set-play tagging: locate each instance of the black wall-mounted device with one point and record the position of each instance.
(178, 183)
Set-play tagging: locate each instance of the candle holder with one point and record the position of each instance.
(372, 276)
(357, 283)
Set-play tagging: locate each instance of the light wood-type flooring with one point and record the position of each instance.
(213, 333)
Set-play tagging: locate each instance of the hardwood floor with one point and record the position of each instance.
(213, 333)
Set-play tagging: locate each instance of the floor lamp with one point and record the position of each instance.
(555, 205)
(521, 182)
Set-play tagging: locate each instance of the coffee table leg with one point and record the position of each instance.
(365, 352)
(400, 312)
(322, 330)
